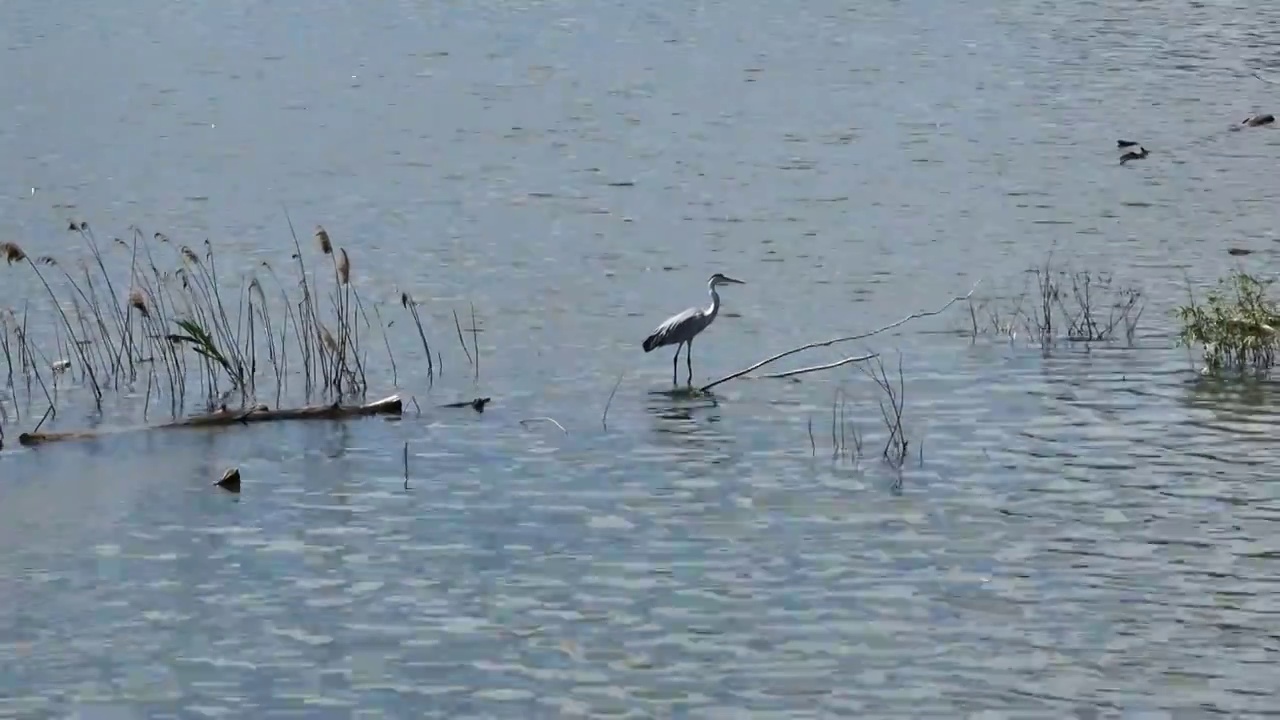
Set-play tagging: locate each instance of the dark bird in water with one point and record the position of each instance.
(1125, 143)
(1134, 155)
(1256, 120)
(682, 328)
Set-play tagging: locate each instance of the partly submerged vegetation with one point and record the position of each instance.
(158, 320)
(154, 318)
(1235, 327)
(1061, 304)
(166, 327)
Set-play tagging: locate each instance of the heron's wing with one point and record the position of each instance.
(673, 324)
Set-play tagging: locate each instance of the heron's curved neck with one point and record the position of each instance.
(715, 301)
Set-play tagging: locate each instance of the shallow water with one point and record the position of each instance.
(1089, 533)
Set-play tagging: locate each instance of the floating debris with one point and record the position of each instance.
(230, 480)
(476, 404)
(1134, 155)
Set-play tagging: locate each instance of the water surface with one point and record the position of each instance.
(1090, 531)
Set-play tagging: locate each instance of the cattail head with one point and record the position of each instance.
(190, 256)
(322, 236)
(138, 301)
(405, 300)
(12, 253)
(328, 340)
(344, 267)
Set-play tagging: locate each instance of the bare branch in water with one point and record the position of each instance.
(896, 446)
(845, 339)
(819, 368)
(544, 419)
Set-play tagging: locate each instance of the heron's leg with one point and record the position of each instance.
(688, 362)
(675, 365)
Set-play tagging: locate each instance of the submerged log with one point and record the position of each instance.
(260, 413)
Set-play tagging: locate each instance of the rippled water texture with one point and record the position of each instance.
(1091, 533)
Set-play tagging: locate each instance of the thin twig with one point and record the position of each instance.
(461, 342)
(849, 338)
(544, 419)
(819, 368)
(475, 339)
(406, 464)
(604, 419)
(46, 417)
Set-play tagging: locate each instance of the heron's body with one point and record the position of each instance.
(680, 329)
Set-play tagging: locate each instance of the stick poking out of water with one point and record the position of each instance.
(544, 419)
(604, 419)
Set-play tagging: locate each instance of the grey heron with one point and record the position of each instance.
(682, 328)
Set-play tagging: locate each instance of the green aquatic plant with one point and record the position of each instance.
(1235, 326)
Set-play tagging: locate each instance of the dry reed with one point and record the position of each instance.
(184, 334)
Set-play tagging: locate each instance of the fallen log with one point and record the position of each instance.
(260, 413)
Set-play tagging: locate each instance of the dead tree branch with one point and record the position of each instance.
(223, 418)
(895, 447)
(819, 368)
(834, 341)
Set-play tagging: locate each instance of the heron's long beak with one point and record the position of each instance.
(731, 280)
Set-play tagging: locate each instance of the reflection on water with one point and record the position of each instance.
(680, 407)
(1087, 532)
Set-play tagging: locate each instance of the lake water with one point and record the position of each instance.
(1088, 532)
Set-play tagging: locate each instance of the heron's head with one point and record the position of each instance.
(721, 279)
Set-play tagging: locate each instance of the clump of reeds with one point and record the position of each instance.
(843, 432)
(847, 438)
(177, 328)
(896, 444)
(1065, 305)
